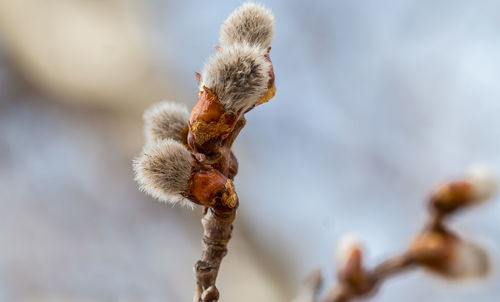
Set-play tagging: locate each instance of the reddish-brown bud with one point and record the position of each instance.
(449, 256)
(351, 272)
(452, 196)
(209, 124)
(209, 187)
(478, 185)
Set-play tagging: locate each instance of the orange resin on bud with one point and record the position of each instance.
(271, 88)
(267, 96)
(209, 124)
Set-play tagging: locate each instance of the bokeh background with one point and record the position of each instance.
(376, 102)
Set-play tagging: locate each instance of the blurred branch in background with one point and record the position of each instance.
(435, 248)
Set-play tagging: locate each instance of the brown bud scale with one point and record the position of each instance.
(209, 120)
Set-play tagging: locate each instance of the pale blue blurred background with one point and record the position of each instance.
(376, 102)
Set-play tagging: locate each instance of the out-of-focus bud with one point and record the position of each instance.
(449, 256)
(483, 181)
(348, 252)
(478, 185)
(350, 270)
(470, 261)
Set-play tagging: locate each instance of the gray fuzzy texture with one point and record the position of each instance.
(251, 23)
(163, 171)
(238, 75)
(164, 120)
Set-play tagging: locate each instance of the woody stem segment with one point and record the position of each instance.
(217, 232)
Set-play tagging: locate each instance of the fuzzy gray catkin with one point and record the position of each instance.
(238, 75)
(251, 23)
(164, 120)
(163, 170)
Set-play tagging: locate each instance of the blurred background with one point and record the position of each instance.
(376, 102)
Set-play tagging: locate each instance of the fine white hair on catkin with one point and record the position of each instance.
(251, 23)
(163, 171)
(238, 75)
(164, 120)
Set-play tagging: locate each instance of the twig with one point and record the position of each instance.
(343, 292)
(435, 248)
(217, 232)
(195, 163)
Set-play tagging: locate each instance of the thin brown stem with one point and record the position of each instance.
(344, 292)
(435, 220)
(432, 249)
(393, 266)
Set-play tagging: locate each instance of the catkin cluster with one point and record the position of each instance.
(187, 157)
